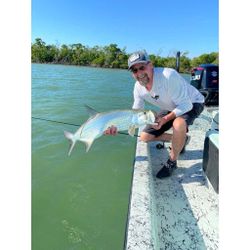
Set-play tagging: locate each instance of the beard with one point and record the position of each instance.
(143, 80)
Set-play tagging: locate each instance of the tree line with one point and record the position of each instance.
(110, 56)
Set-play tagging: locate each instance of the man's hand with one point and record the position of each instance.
(111, 131)
(161, 121)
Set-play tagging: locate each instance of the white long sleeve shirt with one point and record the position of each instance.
(170, 91)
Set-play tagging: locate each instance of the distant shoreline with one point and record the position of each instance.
(110, 57)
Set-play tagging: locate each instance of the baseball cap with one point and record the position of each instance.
(138, 57)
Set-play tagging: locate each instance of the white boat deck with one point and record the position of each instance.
(179, 212)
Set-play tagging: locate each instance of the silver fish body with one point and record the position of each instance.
(99, 122)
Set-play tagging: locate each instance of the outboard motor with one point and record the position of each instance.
(206, 79)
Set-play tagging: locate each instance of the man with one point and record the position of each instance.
(180, 104)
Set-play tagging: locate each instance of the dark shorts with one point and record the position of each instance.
(189, 117)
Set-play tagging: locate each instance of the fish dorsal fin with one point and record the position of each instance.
(131, 130)
(90, 110)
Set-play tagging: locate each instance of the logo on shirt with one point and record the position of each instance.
(155, 97)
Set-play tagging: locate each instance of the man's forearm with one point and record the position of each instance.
(169, 116)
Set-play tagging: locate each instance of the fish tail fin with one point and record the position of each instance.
(88, 144)
(71, 139)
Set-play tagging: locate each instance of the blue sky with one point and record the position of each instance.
(160, 27)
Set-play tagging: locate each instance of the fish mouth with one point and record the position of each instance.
(152, 116)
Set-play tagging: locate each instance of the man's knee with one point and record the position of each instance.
(146, 137)
(180, 124)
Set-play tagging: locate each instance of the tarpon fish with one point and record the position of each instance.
(99, 122)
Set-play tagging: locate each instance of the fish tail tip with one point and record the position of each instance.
(71, 147)
(71, 139)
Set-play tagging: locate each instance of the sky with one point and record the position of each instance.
(160, 27)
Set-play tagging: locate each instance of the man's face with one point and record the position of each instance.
(143, 73)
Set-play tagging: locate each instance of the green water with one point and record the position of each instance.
(81, 201)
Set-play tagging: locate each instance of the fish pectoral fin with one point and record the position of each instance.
(131, 130)
(88, 144)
